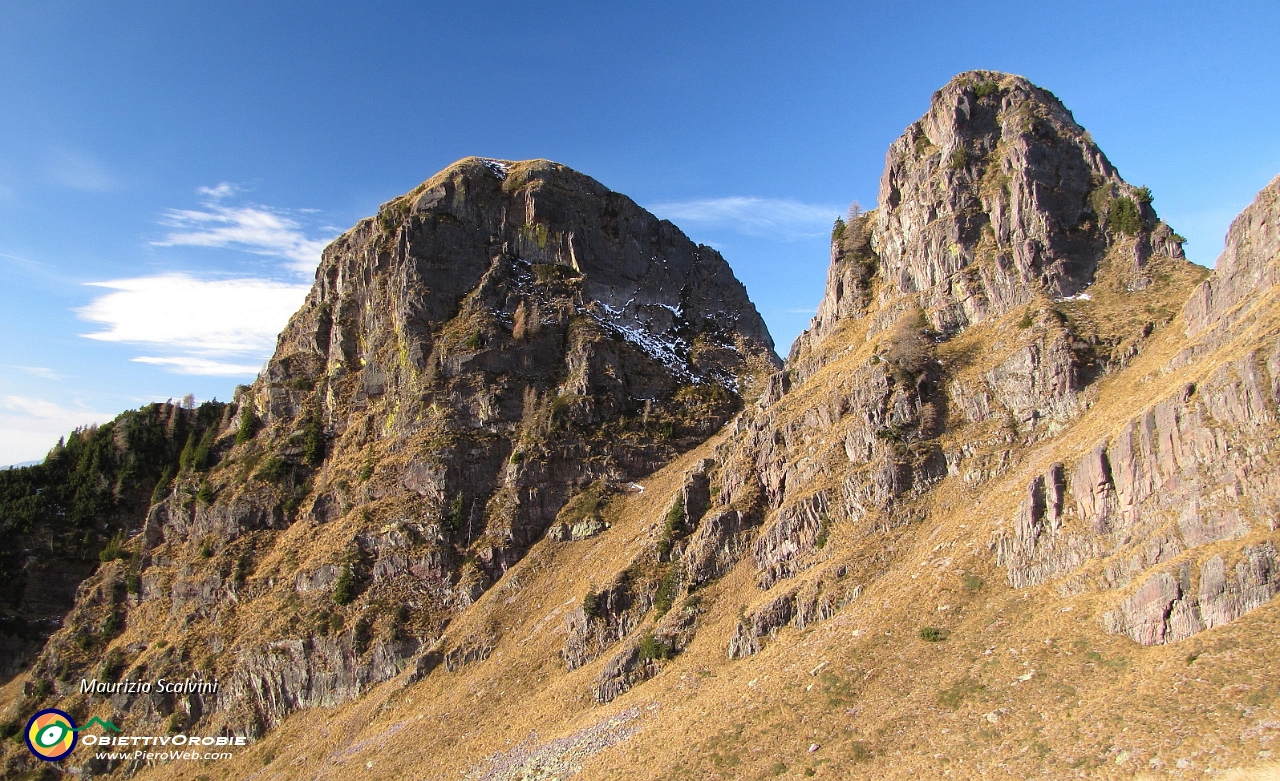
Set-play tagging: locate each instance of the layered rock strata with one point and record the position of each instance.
(508, 337)
(1178, 505)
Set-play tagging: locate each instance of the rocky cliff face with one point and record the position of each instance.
(995, 208)
(490, 357)
(1176, 508)
(975, 321)
(524, 320)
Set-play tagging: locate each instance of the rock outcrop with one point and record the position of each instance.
(530, 323)
(483, 363)
(995, 206)
(1157, 500)
(993, 196)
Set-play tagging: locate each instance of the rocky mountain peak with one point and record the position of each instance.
(994, 196)
(478, 367)
(1021, 468)
(997, 194)
(524, 309)
(488, 224)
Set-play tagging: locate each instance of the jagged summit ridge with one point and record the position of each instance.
(994, 196)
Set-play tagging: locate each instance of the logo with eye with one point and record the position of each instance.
(51, 735)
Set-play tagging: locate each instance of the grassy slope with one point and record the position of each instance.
(1026, 686)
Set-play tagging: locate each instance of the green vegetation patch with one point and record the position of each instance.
(344, 588)
(668, 589)
(1124, 217)
(961, 690)
(587, 505)
(651, 648)
(985, 89)
(933, 634)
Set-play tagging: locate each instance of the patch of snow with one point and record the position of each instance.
(665, 348)
(498, 167)
(1076, 297)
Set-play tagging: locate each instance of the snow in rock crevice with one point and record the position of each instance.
(498, 167)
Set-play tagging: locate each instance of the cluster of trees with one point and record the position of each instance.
(72, 504)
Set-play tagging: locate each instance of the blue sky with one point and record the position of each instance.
(168, 171)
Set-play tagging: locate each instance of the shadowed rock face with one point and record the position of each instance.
(525, 305)
(500, 340)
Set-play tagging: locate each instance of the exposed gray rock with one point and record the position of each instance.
(762, 622)
(812, 602)
(611, 614)
(271, 681)
(719, 542)
(781, 548)
(1146, 493)
(994, 195)
(629, 666)
(1195, 469)
(1168, 607)
(471, 649)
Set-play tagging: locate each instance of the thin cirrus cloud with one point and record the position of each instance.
(189, 364)
(43, 372)
(773, 218)
(28, 425)
(214, 327)
(257, 229)
(80, 172)
(219, 327)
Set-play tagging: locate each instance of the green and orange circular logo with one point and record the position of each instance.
(51, 735)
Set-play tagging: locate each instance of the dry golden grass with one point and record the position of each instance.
(1026, 685)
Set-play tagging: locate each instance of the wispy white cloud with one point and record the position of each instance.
(215, 327)
(29, 427)
(261, 230)
(80, 172)
(761, 217)
(224, 327)
(219, 190)
(42, 372)
(192, 365)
